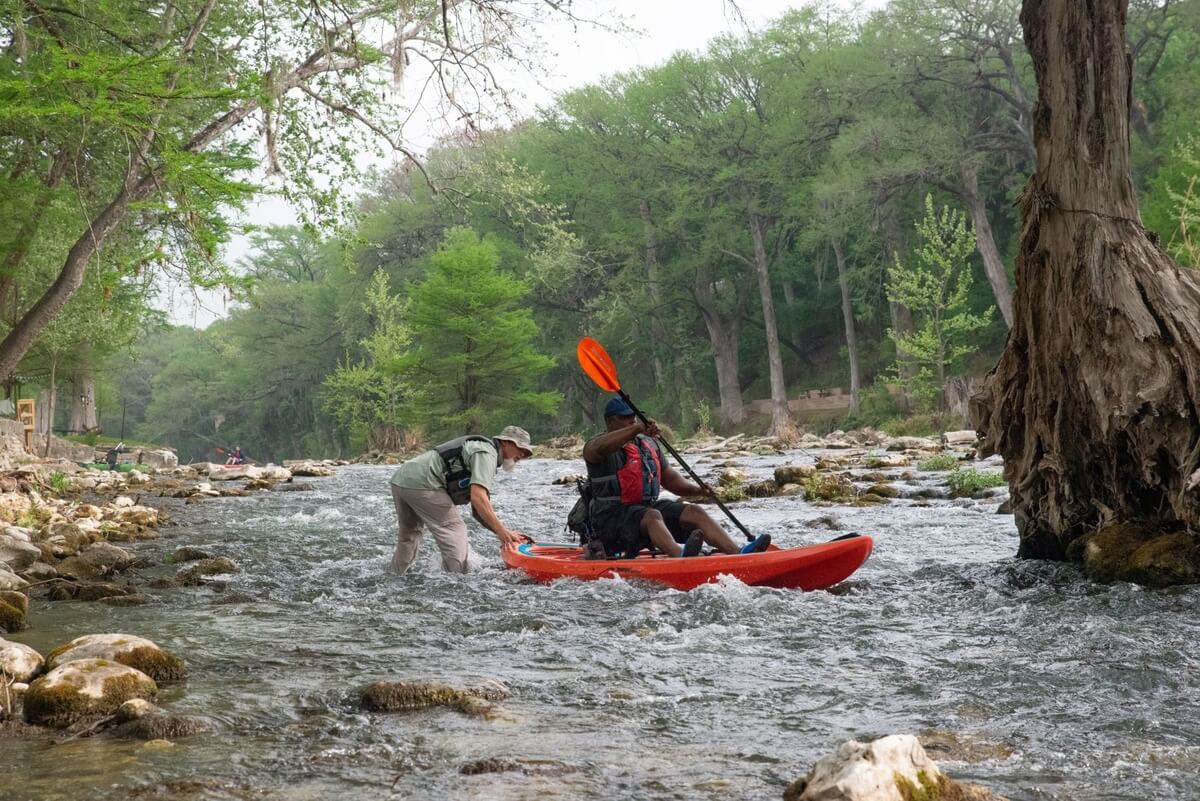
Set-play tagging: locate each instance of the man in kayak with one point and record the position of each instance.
(426, 489)
(627, 469)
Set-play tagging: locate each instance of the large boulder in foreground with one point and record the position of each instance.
(893, 768)
(82, 690)
(124, 649)
(18, 661)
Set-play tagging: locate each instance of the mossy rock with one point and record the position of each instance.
(19, 662)
(401, 696)
(187, 553)
(869, 499)
(83, 690)
(125, 649)
(194, 575)
(132, 599)
(762, 489)
(874, 478)
(157, 726)
(1147, 554)
(834, 487)
(99, 590)
(884, 491)
(943, 788)
(793, 473)
(11, 618)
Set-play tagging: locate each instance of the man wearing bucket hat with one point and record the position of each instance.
(426, 489)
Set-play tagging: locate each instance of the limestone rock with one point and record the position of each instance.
(569, 479)
(98, 559)
(732, 477)
(793, 473)
(101, 590)
(156, 726)
(64, 538)
(84, 689)
(788, 490)
(762, 489)
(19, 662)
(14, 506)
(123, 502)
(893, 768)
(311, 469)
(12, 616)
(913, 444)
(958, 438)
(135, 708)
(125, 649)
(888, 460)
(10, 580)
(39, 571)
(17, 555)
(1140, 554)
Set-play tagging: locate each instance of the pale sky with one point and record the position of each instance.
(575, 56)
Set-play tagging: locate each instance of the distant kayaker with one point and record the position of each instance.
(114, 455)
(236, 456)
(627, 469)
(427, 488)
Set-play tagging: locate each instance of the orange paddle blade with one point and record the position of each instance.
(596, 362)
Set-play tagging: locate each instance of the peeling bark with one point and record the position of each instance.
(1093, 404)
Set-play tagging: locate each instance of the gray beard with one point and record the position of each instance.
(508, 465)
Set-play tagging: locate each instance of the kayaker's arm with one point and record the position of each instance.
(481, 508)
(599, 447)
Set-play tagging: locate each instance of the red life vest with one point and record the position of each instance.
(638, 476)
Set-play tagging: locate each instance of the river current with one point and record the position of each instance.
(1044, 685)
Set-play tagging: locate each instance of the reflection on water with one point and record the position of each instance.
(1064, 689)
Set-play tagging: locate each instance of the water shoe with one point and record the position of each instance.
(757, 545)
(694, 544)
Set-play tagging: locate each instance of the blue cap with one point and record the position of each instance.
(618, 408)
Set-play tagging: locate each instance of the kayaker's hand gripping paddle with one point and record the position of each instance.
(596, 362)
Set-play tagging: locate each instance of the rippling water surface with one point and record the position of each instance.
(1051, 686)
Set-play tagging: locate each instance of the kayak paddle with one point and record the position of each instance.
(596, 362)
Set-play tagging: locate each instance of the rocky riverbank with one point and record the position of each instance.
(71, 534)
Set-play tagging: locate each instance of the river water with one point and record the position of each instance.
(1050, 686)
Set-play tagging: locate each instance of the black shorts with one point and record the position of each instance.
(620, 526)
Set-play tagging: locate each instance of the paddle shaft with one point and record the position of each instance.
(699, 481)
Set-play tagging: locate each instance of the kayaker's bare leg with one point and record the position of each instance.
(695, 517)
(652, 526)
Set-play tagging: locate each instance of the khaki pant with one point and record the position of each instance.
(420, 508)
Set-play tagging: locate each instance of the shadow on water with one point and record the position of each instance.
(1048, 685)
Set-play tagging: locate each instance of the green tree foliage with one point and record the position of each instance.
(367, 397)
(473, 366)
(935, 283)
(628, 210)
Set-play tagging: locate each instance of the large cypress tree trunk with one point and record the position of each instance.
(1093, 403)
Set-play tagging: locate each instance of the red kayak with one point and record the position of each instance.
(809, 567)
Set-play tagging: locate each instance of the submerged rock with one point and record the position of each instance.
(82, 690)
(1140, 553)
(402, 696)
(893, 768)
(194, 575)
(187, 553)
(125, 649)
(158, 726)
